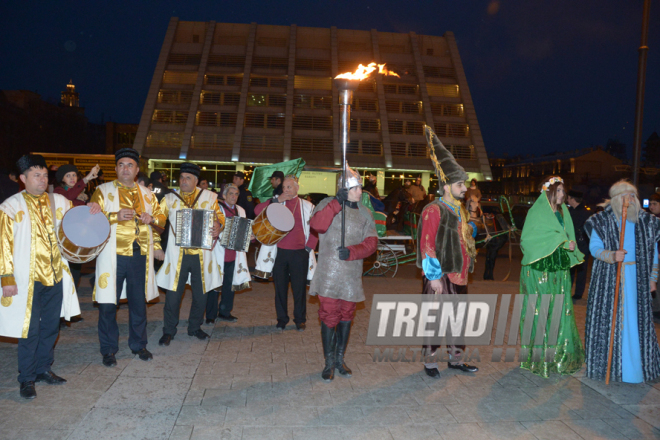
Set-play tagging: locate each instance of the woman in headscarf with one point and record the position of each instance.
(549, 251)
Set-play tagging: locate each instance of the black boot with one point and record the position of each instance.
(343, 330)
(329, 339)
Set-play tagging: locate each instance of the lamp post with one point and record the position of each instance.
(641, 83)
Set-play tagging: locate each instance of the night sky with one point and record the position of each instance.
(544, 75)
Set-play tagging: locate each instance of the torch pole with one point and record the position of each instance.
(346, 88)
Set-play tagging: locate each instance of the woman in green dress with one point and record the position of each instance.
(549, 251)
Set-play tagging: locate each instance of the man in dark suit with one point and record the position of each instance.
(244, 196)
(579, 215)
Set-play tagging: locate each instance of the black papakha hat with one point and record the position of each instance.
(278, 175)
(63, 170)
(30, 160)
(155, 175)
(127, 152)
(575, 194)
(190, 168)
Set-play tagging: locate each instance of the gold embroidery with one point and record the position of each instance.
(241, 268)
(167, 269)
(6, 301)
(220, 270)
(204, 205)
(58, 214)
(103, 280)
(111, 197)
(210, 266)
(174, 205)
(19, 216)
(268, 258)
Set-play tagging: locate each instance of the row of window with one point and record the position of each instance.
(306, 101)
(315, 65)
(308, 82)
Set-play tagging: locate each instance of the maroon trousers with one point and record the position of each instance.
(448, 288)
(332, 310)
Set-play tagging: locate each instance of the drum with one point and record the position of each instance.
(82, 236)
(272, 224)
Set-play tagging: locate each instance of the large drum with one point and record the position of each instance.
(272, 224)
(82, 236)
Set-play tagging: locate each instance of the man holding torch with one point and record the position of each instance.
(338, 277)
(635, 355)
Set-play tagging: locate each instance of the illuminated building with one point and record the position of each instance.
(233, 95)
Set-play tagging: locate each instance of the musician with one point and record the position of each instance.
(125, 267)
(276, 180)
(245, 196)
(446, 249)
(235, 274)
(292, 254)
(198, 267)
(338, 277)
(636, 355)
(36, 287)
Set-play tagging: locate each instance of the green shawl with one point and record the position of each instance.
(542, 234)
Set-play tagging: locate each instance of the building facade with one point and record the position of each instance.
(232, 96)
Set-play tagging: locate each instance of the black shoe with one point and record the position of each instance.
(301, 327)
(228, 318)
(199, 334)
(343, 330)
(329, 339)
(575, 298)
(109, 360)
(27, 390)
(280, 325)
(50, 378)
(464, 368)
(210, 321)
(143, 354)
(432, 372)
(165, 339)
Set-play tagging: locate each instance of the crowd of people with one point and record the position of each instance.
(142, 259)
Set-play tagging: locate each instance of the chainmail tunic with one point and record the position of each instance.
(335, 278)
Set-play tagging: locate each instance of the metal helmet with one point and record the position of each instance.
(353, 178)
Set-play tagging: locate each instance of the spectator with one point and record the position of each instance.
(158, 187)
(68, 185)
(244, 196)
(579, 215)
(8, 184)
(473, 192)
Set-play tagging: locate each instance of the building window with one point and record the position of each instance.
(164, 139)
(270, 63)
(170, 77)
(443, 90)
(261, 120)
(365, 148)
(452, 130)
(261, 100)
(182, 59)
(312, 122)
(408, 107)
(440, 109)
(401, 89)
(222, 80)
(439, 72)
(312, 82)
(216, 119)
(212, 140)
(195, 38)
(311, 101)
(367, 86)
(306, 145)
(322, 66)
(174, 96)
(226, 61)
(365, 104)
(264, 81)
(169, 117)
(429, 52)
(267, 143)
(363, 125)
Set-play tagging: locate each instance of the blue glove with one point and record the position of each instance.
(344, 253)
(342, 195)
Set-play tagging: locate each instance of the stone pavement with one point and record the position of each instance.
(250, 381)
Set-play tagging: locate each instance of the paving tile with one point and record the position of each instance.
(507, 431)
(202, 416)
(592, 429)
(229, 398)
(414, 432)
(551, 430)
(126, 423)
(636, 429)
(181, 433)
(260, 433)
(140, 392)
(472, 431)
(648, 413)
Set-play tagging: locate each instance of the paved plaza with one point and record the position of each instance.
(250, 381)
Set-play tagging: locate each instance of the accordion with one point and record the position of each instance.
(236, 235)
(193, 228)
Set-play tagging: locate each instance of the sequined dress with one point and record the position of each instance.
(551, 276)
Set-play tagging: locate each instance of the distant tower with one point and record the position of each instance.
(70, 97)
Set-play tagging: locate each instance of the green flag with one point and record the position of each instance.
(260, 183)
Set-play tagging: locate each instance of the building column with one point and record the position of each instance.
(290, 84)
(335, 96)
(154, 88)
(468, 108)
(382, 110)
(197, 91)
(423, 90)
(242, 105)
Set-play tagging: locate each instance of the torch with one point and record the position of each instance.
(347, 83)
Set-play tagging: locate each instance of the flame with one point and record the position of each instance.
(363, 72)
